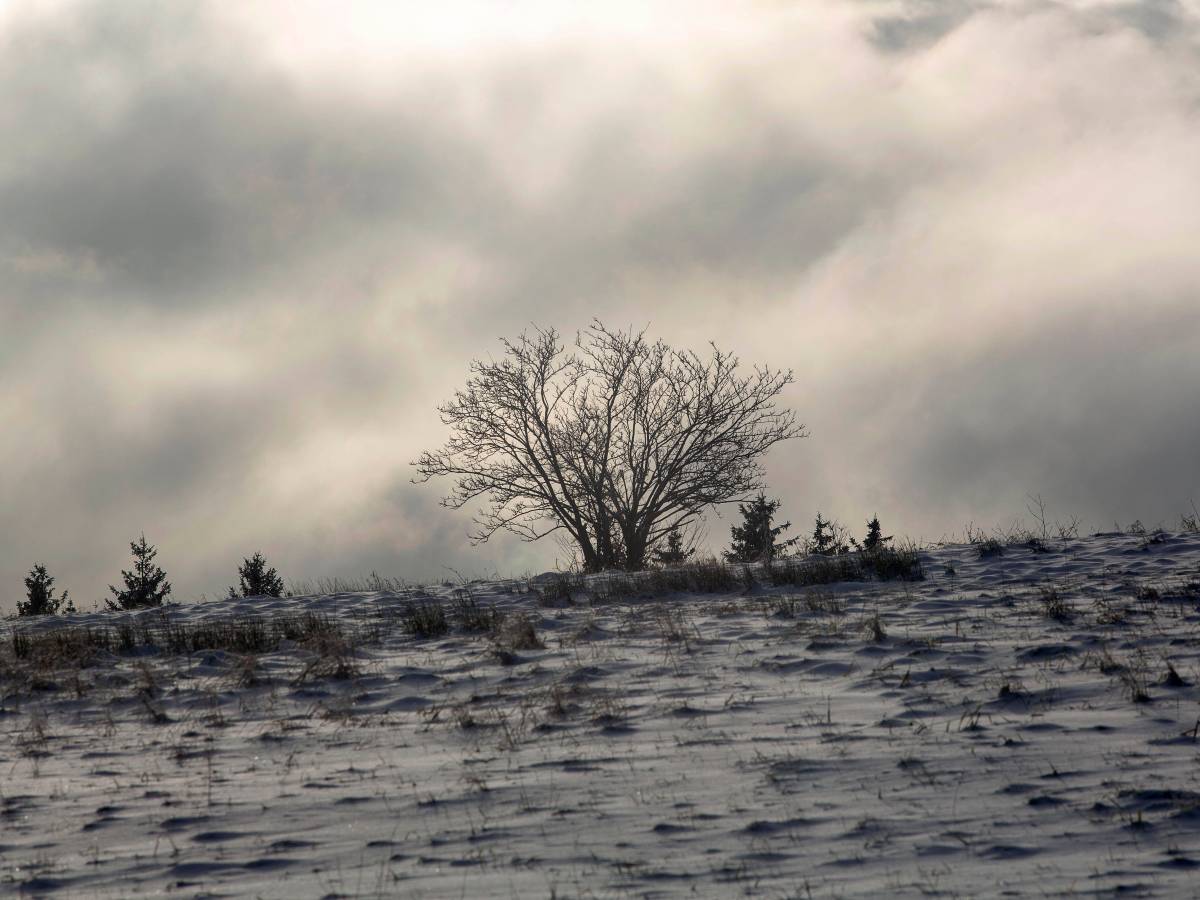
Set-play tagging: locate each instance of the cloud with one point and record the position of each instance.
(157, 161)
(244, 253)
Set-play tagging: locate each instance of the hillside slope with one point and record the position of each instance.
(1025, 723)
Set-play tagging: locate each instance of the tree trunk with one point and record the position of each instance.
(635, 551)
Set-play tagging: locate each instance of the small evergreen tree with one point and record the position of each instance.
(40, 599)
(875, 539)
(828, 538)
(146, 585)
(755, 538)
(674, 553)
(256, 580)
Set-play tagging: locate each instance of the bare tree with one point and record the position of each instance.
(615, 442)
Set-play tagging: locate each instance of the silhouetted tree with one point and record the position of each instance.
(39, 596)
(256, 580)
(875, 539)
(674, 550)
(755, 538)
(615, 443)
(146, 585)
(828, 538)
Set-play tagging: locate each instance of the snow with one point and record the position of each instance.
(657, 746)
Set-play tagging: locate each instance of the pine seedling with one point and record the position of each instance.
(146, 586)
(39, 595)
(256, 580)
(755, 538)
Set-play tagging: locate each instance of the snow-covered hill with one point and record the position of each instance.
(1021, 724)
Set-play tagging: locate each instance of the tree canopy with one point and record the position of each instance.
(615, 441)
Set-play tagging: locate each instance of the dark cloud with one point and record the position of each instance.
(1158, 19)
(920, 23)
(158, 161)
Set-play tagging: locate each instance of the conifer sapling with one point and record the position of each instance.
(256, 580)
(875, 539)
(828, 538)
(40, 599)
(146, 585)
(755, 538)
(675, 552)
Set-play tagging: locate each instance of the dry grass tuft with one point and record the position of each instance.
(332, 657)
(425, 620)
(517, 633)
(472, 616)
(1054, 605)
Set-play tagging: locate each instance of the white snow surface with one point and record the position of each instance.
(658, 746)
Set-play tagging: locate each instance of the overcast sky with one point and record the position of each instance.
(243, 255)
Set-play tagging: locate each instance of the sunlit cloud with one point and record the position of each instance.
(246, 249)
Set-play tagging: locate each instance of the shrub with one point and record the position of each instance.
(1054, 606)
(239, 636)
(894, 563)
(518, 633)
(989, 548)
(885, 564)
(825, 603)
(709, 576)
(77, 646)
(786, 606)
(61, 647)
(817, 570)
(256, 580)
(560, 589)
(706, 576)
(424, 620)
(305, 628)
(1190, 522)
(1172, 678)
(146, 586)
(472, 616)
(332, 653)
(40, 599)
(875, 628)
